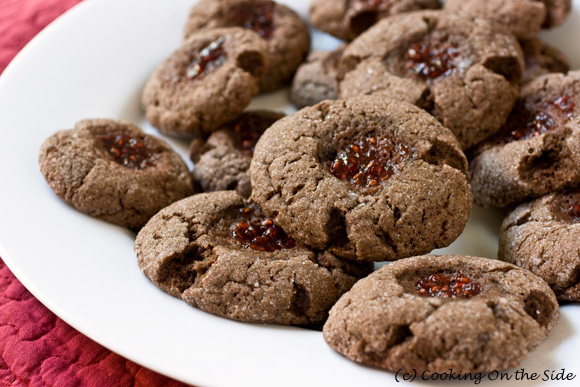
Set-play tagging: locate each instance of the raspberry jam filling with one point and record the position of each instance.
(259, 18)
(127, 151)
(567, 207)
(249, 128)
(368, 161)
(573, 211)
(430, 59)
(528, 122)
(207, 59)
(447, 286)
(260, 233)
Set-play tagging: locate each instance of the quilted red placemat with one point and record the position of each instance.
(36, 347)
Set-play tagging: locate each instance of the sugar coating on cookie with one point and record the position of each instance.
(368, 179)
(221, 254)
(523, 18)
(349, 18)
(206, 82)
(283, 29)
(462, 70)
(537, 151)
(541, 58)
(222, 161)
(114, 171)
(543, 236)
(440, 312)
(316, 79)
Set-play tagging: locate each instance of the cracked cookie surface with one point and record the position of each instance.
(542, 236)
(208, 81)
(461, 70)
(283, 29)
(221, 254)
(346, 19)
(222, 161)
(369, 179)
(114, 171)
(537, 151)
(386, 320)
(523, 18)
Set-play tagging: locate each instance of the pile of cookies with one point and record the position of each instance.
(421, 112)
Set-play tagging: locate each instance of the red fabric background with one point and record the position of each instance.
(36, 347)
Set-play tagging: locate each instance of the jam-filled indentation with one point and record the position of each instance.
(444, 285)
(258, 18)
(429, 59)
(207, 59)
(528, 121)
(567, 207)
(368, 161)
(260, 233)
(573, 211)
(248, 130)
(127, 151)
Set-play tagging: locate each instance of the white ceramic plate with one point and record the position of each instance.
(92, 63)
